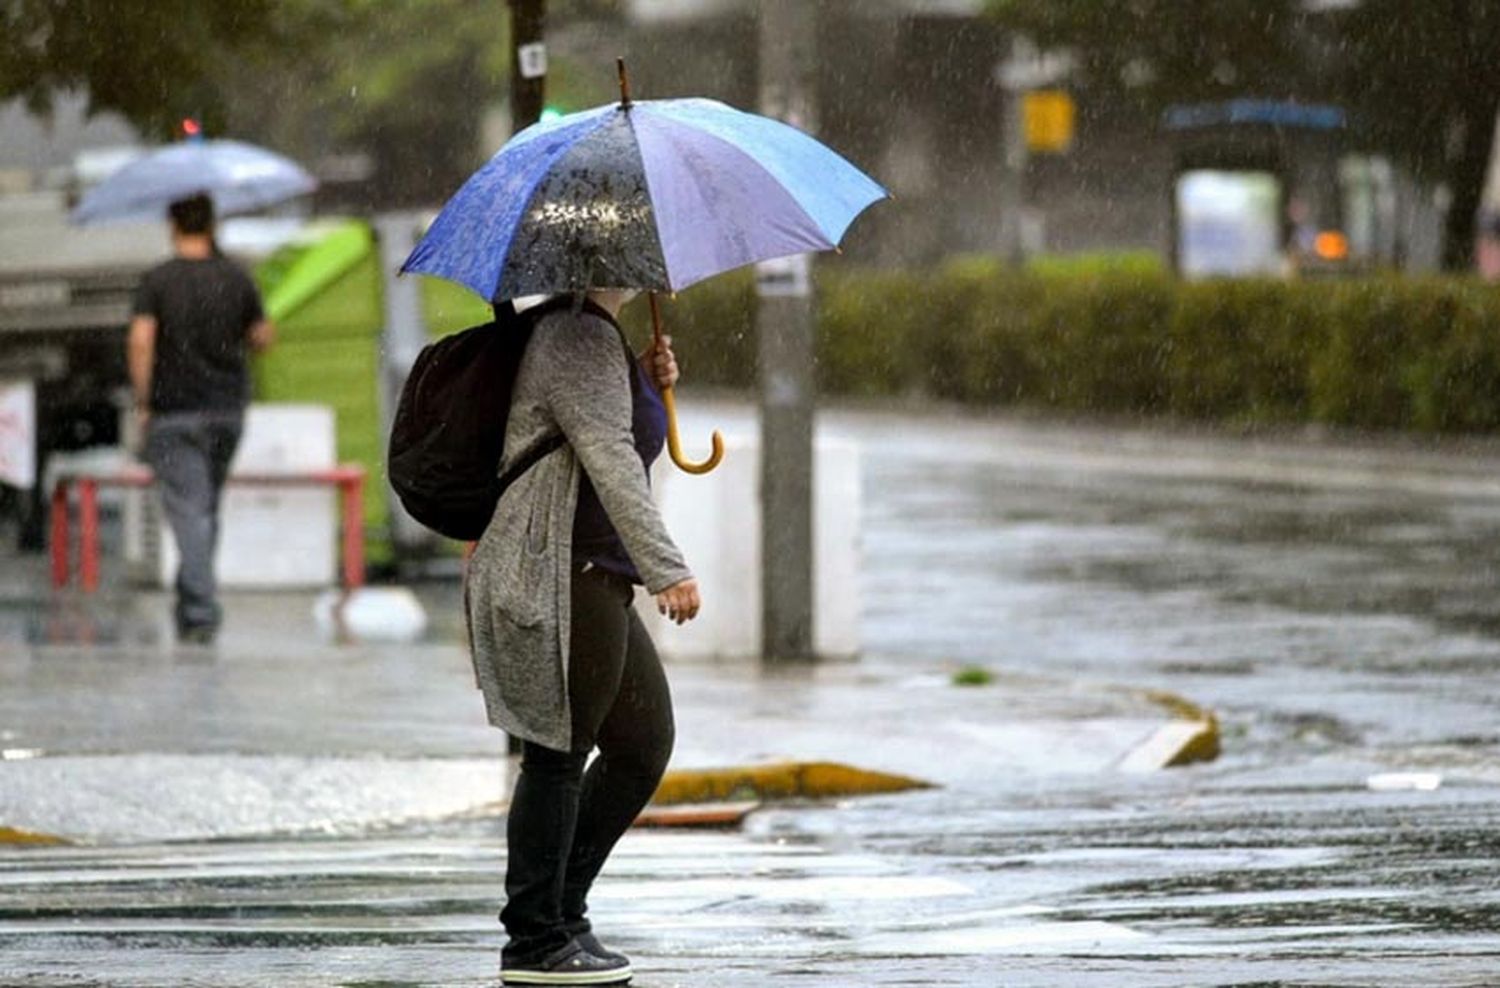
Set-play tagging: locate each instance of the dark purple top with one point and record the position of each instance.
(594, 537)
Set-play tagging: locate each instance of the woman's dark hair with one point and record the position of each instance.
(193, 215)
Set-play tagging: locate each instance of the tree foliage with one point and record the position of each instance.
(153, 62)
(405, 81)
(1164, 51)
(1426, 81)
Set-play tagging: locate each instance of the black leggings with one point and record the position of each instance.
(563, 821)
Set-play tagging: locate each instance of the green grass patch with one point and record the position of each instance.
(973, 676)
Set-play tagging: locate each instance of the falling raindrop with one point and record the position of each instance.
(1137, 72)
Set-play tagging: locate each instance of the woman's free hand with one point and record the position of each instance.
(680, 601)
(661, 363)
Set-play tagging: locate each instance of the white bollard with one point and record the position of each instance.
(370, 614)
(715, 519)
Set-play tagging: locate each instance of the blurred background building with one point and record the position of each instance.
(1002, 131)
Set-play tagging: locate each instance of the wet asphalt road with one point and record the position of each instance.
(1337, 609)
(1347, 608)
(1335, 606)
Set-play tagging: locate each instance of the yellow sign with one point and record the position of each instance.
(1048, 115)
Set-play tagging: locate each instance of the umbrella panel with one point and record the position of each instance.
(717, 208)
(830, 190)
(589, 223)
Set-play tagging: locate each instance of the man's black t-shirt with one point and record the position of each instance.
(203, 311)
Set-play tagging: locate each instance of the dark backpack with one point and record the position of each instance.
(449, 434)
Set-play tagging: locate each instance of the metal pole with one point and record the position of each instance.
(1013, 179)
(61, 536)
(784, 322)
(528, 63)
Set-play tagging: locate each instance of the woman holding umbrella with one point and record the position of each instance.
(654, 195)
(555, 572)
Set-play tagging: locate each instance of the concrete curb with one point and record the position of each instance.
(11, 837)
(784, 780)
(1191, 736)
(700, 796)
(723, 797)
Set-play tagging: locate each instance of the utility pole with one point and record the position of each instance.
(528, 63)
(1015, 76)
(784, 324)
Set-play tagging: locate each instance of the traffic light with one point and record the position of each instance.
(550, 112)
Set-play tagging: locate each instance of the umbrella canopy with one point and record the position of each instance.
(239, 177)
(655, 194)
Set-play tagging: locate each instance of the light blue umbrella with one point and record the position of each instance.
(239, 177)
(655, 194)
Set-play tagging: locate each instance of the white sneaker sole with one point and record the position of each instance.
(616, 977)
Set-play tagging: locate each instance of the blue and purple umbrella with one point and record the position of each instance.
(655, 195)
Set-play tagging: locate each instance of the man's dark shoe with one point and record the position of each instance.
(591, 943)
(197, 634)
(570, 964)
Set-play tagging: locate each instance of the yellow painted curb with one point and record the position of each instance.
(786, 780)
(1191, 737)
(1179, 706)
(10, 835)
(1202, 746)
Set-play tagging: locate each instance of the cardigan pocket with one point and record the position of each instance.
(523, 592)
(507, 579)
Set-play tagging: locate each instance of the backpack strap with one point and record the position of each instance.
(534, 455)
(529, 459)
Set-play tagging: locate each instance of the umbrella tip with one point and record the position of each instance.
(624, 83)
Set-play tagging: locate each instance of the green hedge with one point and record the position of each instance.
(1381, 353)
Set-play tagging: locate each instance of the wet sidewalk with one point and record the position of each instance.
(288, 809)
(113, 734)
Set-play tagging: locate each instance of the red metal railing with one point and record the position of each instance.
(350, 480)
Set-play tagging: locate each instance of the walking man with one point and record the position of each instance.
(197, 317)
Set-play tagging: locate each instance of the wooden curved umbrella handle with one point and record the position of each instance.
(674, 444)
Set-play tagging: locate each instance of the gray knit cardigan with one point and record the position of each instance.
(573, 379)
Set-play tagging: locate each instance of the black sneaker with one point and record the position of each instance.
(570, 964)
(591, 943)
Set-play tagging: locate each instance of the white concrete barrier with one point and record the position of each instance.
(715, 519)
(269, 537)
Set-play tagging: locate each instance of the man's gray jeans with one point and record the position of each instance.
(190, 454)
